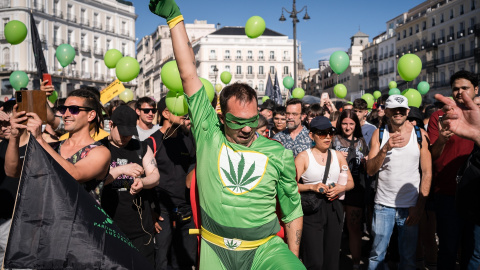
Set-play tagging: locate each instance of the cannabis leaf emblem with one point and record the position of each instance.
(231, 244)
(238, 179)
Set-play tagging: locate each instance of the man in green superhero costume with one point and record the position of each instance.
(239, 173)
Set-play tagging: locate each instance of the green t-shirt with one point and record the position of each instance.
(237, 184)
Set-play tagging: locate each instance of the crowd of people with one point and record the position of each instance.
(403, 177)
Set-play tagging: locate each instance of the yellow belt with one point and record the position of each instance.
(229, 243)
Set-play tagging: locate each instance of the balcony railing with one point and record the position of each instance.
(441, 40)
(98, 51)
(460, 33)
(286, 58)
(39, 7)
(109, 28)
(271, 58)
(58, 41)
(5, 4)
(84, 21)
(8, 66)
(57, 13)
(450, 37)
(238, 75)
(261, 76)
(463, 55)
(85, 49)
(261, 58)
(71, 18)
(212, 57)
(238, 58)
(470, 30)
(124, 32)
(227, 58)
(97, 25)
(385, 55)
(390, 70)
(250, 75)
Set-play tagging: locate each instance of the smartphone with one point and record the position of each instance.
(32, 101)
(48, 77)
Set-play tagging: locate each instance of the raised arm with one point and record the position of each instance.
(13, 165)
(182, 48)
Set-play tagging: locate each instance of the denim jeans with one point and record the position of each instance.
(474, 263)
(384, 220)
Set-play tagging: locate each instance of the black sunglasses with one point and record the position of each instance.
(323, 133)
(72, 109)
(382, 107)
(147, 111)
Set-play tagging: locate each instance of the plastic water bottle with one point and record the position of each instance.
(342, 180)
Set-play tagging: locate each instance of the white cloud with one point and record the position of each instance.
(329, 51)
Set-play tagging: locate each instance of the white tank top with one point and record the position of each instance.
(314, 173)
(399, 176)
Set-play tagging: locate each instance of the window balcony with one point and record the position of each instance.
(84, 22)
(470, 30)
(261, 76)
(58, 41)
(286, 58)
(97, 25)
(98, 51)
(251, 75)
(460, 33)
(85, 49)
(261, 58)
(450, 37)
(271, 58)
(212, 57)
(390, 54)
(385, 55)
(71, 18)
(238, 58)
(227, 58)
(109, 28)
(239, 76)
(250, 58)
(57, 13)
(441, 40)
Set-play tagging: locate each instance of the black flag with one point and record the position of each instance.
(37, 48)
(57, 224)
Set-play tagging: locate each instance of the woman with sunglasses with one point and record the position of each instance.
(322, 229)
(351, 144)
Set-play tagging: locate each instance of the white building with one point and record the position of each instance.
(225, 49)
(91, 27)
(154, 50)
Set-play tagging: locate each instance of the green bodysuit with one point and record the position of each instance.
(237, 187)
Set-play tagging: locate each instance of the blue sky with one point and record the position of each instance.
(331, 25)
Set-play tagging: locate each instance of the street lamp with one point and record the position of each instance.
(295, 20)
(215, 70)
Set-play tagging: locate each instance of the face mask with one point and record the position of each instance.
(234, 122)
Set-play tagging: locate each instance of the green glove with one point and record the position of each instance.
(167, 9)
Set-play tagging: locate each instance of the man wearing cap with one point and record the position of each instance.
(133, 170)
(402, 190)
(174, 151)
(266, 109)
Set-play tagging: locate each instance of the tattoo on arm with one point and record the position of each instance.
(153, 162)
(298, 233)
(189, 44)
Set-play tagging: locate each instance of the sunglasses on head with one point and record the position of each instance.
(72, 109)
(148, 110)
(325, 132)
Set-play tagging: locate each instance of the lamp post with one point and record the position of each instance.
(295, 20)
(215, 70)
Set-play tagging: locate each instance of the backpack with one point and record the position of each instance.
(418, 132)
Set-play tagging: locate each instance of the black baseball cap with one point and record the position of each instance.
(161, 105)
(268, 104)
(125, 118)
(320, 123)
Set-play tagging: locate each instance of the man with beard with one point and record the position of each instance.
(175, 155)
(449, 154)
(402, 190)
(295, 137)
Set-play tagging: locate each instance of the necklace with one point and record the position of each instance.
(322, 156)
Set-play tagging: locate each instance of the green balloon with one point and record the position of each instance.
(15, 32)
(176, 103)
(171, 77)
(265, 98)
(126, 95)
(127, 69)
(394, 91)
(414, 98)
(53, 97)
(254, 27)
(226, 77)
(340, 90)
(208, 88)
(18, 80)
(403, 92)
(339, 61)
(65, 54)
(377, 94)
(218, 87)
(369, 99)
(409, 66)
(423, 87)
(288, 82)
(392, 84)
(112, 57)
(298, 93)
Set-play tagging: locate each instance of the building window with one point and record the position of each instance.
(417, 28)
(451, 13)
(410, 31)
(433, 21)
(441, 18)
(424, 25)
(249, 55)
(260, 70)
(95, 43)
(109, 44)
(398, 36)
(227, 68)
(227, 54)
(472, 4)
(239, 54)
(124, 48)
(6, 55)
(261, 86)
(285, 70)
(260, 55)
(272, 69)
(250, 70)
(109, 24)
(212, 68)
(272, 55)
(70, 37)
(461, 10)
(213, 55)
(404, 33)
(239, 69)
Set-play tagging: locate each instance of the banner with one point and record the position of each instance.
(57, 224)
(111, 91)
